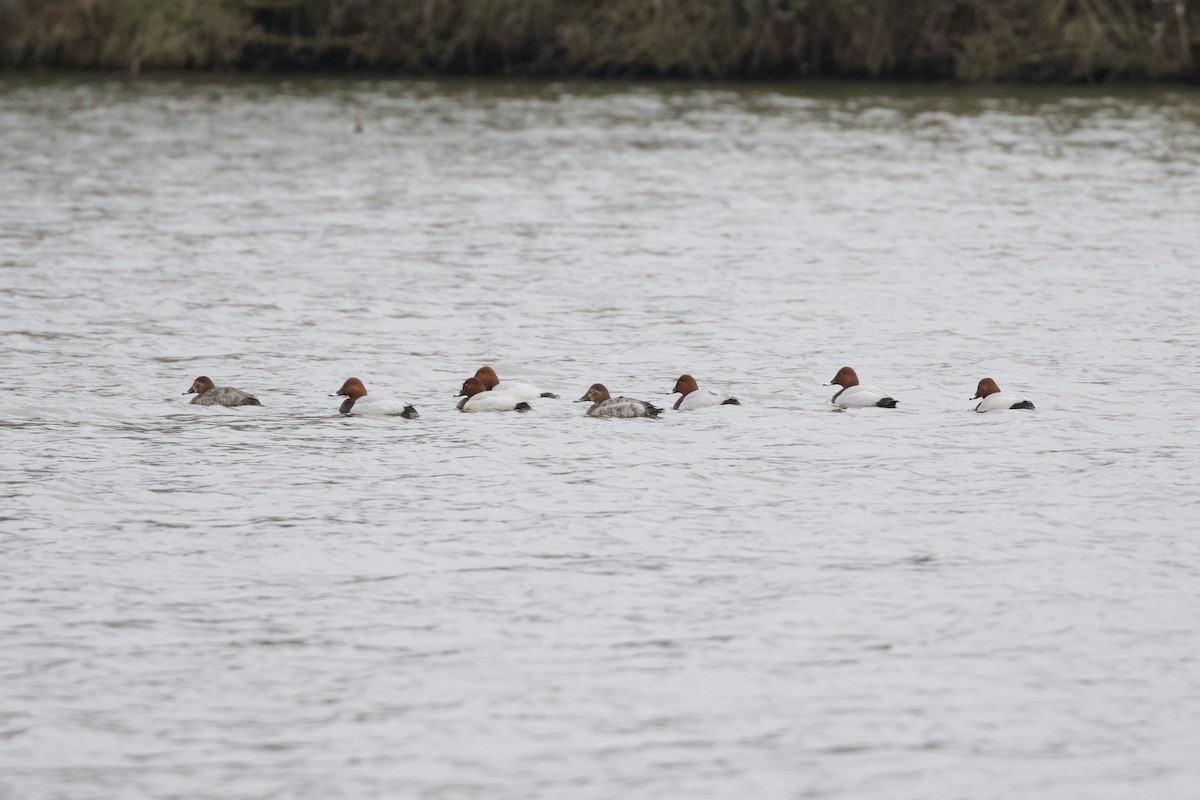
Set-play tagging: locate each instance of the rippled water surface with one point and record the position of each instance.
(767, 601)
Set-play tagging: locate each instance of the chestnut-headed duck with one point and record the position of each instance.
(476, 397)
(357, 402)
(692, 396)
(208, 394)
(518, 391)
(995, 400)
(603, 405)
(852, 395)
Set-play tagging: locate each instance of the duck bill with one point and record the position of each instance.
(190, 391)
(584, 399)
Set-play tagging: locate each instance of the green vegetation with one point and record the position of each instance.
(970, 40)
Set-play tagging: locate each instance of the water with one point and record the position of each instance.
(773, 601)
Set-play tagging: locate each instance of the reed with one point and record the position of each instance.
(121, 34)
(967, 40)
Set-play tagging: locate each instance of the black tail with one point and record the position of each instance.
(253, 401)
(733, 401)
(652, 411)
(523, 407)
(551, 395)
(886, 402)
(409, 413)
(1023, 404)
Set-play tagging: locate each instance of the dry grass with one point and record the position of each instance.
(970, 40)
(121, 34)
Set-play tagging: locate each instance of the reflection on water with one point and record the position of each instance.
(771, 600)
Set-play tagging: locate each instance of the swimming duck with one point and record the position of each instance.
(476, 397)
(603, 405)
(851, 395)
(519, 391)
(209, 394)
(692, 396)
(357, 402)
(995, 400)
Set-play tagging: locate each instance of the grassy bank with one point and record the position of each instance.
(969, 40)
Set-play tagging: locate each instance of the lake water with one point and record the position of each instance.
(767, 601)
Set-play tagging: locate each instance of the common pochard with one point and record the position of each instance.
(852, 395)
(604, 405)
(476, 397)
(358, 402)
(995, 400)
(516, 390)
(691, 396)
(209, 394)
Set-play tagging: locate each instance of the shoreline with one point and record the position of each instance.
(971, 42)
(798, 86)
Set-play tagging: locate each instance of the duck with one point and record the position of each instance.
(691, 396)
(604, 405)
(209, 394)
(516, 390)
(357, 402)
(476, 397)
(992, 399)
(852, 395)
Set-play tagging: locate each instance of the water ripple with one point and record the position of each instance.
(773, 600)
